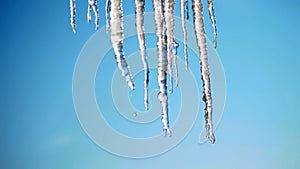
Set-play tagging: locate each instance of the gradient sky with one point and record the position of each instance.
(257, 43)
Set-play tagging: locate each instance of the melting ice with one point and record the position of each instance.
(166, 47)
(162, 62)
(201, 43)
(139, 12)
(72, 15)
(92, 4)
(184, 8)
(117, 37)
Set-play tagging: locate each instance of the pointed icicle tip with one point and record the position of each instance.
(167, 132)
(213, 20)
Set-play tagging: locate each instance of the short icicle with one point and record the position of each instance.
(213, 20)
(72, 15)
(92, 4)
(174, 53)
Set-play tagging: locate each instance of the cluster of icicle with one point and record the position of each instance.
(166, 47)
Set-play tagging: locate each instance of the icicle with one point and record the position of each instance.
(213, 20)
(72, 15)
(92, 4)
(169, 21)
(106, 15)
(162, 63)
(184, 15)
(174, 53)
(201, 42)
(139, 12)
(186, 6)
(166, 47)
(117, 37)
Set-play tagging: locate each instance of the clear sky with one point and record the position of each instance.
(257, 44)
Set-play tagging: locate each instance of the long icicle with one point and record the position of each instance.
(201, 42)
(184, 16)
(92, 4)
(169, 21)
(213, 20)
(139, 13)
(72, 15)
(117, 37)
(107, 9)
(162, 63)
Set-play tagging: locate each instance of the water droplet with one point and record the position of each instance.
(134, 114)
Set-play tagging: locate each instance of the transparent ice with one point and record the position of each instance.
(139, 12)
(107, 14)
(168, 14)
(72, 15)
(92, 4)
(201, 43)
(184, 15)
(162, 67)
(117, 37)
(166, 47)
(213, 20)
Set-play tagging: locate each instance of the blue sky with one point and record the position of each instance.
(257, 43)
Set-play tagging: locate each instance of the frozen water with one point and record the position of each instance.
(92, 4)
(201, 42)
(116, 36)
(213, 20)
(107, 9)
(174, 53)
(184, 15)
(168, 8)
(139, 12)
(162, 63)
(166, 47)
(72, 15)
